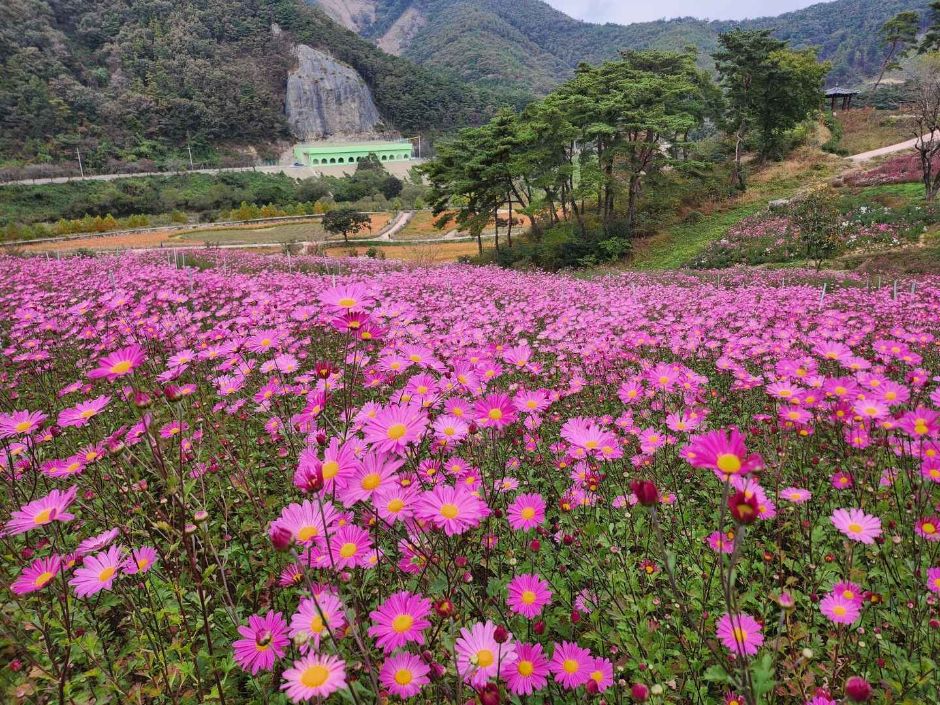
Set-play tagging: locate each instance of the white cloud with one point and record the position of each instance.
(626, 11)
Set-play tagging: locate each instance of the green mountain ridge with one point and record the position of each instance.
(127, 80)
(527, 43)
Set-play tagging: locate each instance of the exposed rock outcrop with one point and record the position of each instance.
(327, 98)
(402, 33)
(356, 15)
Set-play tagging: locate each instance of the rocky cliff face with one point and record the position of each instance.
(327, 98)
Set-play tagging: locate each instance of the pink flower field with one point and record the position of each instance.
(266, 479)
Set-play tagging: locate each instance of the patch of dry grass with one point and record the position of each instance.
(865, 129)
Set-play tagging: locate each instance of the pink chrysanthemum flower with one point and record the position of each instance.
(528, 594)
(119, 363)
(602, 674)
(571, 665)
(453, 509)
(140, 561)
(306, 522)
(494, 411)
(479, 655)
(839, 610)
(97, 572)
(20, 423)
(347, 298)
(933, 580)
(97, 543)
(857, 525)
(37, 575)
(401, 619)
(928, 528)
(528, 672)
(527, 511)
(394, 503)
(797, 495)
(264, 641)
(849, 591)
(740, 633)
(404, 675)
(350, 547)
(723, 452)
(395, 427)
(721, 542)
(82, 413)
(316, 618)
(376, 471)
(41, 511)
(314, 676)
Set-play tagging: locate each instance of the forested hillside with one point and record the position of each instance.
(137, 79)
(528, 44)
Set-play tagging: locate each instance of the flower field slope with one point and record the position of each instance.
(264, 479)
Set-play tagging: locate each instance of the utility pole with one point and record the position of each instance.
(190, 150)
(81, 169)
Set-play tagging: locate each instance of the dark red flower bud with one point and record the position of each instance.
(743, 507)
(575, 616)
(489, 694)
(444, 608)
(535, 545)
(539, 627)
(646, 492)
(500, 634)
(857, 689)
(280, 538)
(640, 692)
(591, 687)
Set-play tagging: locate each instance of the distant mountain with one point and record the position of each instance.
(527, 44)
(141, 79)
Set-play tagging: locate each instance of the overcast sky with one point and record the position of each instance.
(626, 11)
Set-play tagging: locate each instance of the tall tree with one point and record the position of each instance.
(898, 36)
(768, 89)
(345, 221)
(924, 105)
(931, 40)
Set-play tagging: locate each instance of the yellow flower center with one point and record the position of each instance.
(43, 578)
(495, 414)
(928, 528)
(23, 426)
(740, 635)
(107, 574)
(346, 302)
(527, 513)
(526, 668)
(597, 676)
(314, 676)
(348, 550)
(87, 413)
(44, 517)
(855, 528)
(316, 624)
(307, 533)
(484, 658)
(371, 481)
(330, 469)
(120, 368)
(395, 506)
(402, 623)
(396, 431)
(729, 463)
(839, 610)
(569, 665)
(449, 511)
(403, 676)
(527, 597)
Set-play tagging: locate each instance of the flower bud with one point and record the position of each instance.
(489, 694)
(280, 538)
(857, 689)
(646, 492)
(640, 692)
(500, 634)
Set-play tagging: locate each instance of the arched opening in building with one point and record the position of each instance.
(333, 160)
(384, 158)
(314, 162)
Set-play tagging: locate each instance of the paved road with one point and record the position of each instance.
(891, 149)
(399, 169)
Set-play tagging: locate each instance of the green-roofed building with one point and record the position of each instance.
(326, 154)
